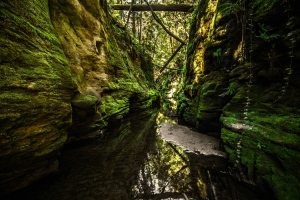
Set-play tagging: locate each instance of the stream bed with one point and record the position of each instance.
(132, 161)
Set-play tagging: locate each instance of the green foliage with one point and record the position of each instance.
(183, 70)
(194, 15)
(208, 43)
(264, 33)
(117, 30)
(217, 54)
(138, 47)
(190, 46)
(230, 7)
(260, 146)
(230, 90)
(165, 83)
(264, 5)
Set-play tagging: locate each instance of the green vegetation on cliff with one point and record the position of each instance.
(36, 89)
(65, 72)
(242, 81)
(112, 73)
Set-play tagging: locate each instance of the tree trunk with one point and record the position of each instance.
(140, 26)
(121, 13)
(129, 13)
(133, 22)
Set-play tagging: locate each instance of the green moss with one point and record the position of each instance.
(285, 185)
(110, 106)
(84, 101)
(267, 151)
(269, 132)
(213, 9)
(52, 147)
(97, 122)
(248, 158)
(14, 97)
(231, 153)
(18, 45)
(189, 115)
(35, 84)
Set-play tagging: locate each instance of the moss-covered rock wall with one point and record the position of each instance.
(243, 81)
(36, 89)
(112, 74)
(67, 69)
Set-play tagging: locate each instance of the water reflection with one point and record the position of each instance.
(167, 174)
(133, 162)
(163, 171)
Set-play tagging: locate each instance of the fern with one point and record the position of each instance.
(218, 54)
(264, 33)
(229, 7)
(230, 90)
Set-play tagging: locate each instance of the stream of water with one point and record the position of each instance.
(132, 162)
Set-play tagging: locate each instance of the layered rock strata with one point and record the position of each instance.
(243, 80)
(112, 74)
(67, 69)
(36, 88)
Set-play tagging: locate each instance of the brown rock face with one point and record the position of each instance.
(111, 74)
(35, 94)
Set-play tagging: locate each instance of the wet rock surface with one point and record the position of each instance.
(192, 142)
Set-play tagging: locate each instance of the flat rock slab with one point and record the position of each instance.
(203, 146)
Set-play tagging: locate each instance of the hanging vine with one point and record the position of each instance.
(291, 39)
(250, 76)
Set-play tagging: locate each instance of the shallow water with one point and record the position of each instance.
(131, 162)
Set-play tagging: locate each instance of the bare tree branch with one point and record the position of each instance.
(162, 25)
(173, 55)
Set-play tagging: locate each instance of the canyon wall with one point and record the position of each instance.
(67, 70)
(112, 74)
(242, 80)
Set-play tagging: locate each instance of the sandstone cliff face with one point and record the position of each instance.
(67, 69)
(243, 80)
(111, 75)
(36, 88)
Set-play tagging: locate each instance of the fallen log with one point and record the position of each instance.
(155, 7)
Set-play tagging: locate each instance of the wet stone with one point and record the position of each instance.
(205, 147)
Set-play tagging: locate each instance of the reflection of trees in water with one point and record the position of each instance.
(132, 163)
(100, 169)
(198, 181)
(166, 173)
